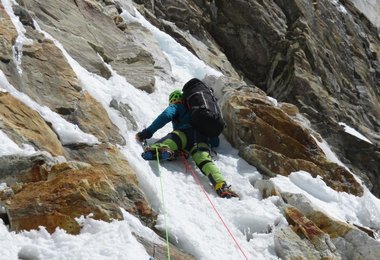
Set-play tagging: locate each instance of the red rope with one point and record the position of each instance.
(188, 166)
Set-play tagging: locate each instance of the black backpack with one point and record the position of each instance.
(205, 113)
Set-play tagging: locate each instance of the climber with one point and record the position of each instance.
(184, 138)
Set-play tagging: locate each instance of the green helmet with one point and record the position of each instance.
(175, 97)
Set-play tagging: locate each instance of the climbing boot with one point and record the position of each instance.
(164, 154)
(225, 191)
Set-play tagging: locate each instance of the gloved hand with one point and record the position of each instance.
(144, 134)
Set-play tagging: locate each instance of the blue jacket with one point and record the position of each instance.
(177, 113)
(180, 117)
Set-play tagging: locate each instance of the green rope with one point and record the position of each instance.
(163, 204)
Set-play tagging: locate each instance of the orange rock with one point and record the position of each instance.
(23, 124)
(73, 192)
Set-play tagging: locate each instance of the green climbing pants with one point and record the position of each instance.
(199, 150)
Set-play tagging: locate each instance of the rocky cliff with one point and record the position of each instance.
(319, 59)
(318, 55)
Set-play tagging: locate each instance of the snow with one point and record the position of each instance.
(191, 220)
(97, 240)
(371, 9)
(8, 147)
(328, 152)
(363, 210)
(354, 132)
(340, 7)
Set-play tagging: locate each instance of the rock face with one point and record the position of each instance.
(270, 136)
(321, 56)
(8, 36)
(74, 189)
(25, 125)
(59, 184)
(270, 139)
(312, 234)
(192, 17)
(87, 30)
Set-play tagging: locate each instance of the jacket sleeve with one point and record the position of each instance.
(165, 117)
